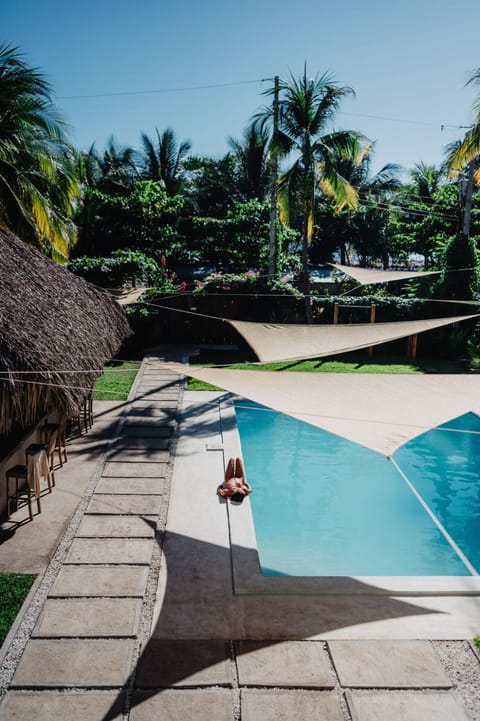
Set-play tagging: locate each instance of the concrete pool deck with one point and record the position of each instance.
(142, 615)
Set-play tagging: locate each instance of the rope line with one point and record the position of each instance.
(437, 522)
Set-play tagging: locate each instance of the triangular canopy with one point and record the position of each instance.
(381, 412)
(368, 276)
(277, 342)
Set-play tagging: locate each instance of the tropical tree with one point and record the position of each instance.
(468, 150)
(364, 227)
(467, 153)
(116, 168)
(426, 214)
(163, 159)
(38, 182)
(306, 108)
(253, 163)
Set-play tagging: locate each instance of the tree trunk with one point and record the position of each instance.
(305, 275)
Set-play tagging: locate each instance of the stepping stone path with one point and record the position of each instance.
(89, 657)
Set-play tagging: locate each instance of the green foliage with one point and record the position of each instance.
(14, 588)
(113, 272)
(388, 308)
(425, 223)
(460, 262)
(38, 183)
(240, 239)
(245, 283)
(143, 217)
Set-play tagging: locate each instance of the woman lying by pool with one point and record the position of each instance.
(234, 486)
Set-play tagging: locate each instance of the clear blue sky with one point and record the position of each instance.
(407, 60)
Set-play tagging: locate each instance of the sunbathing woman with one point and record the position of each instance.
(234, 486)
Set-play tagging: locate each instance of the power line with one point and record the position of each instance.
(405, 121)
(123, 93)
(210, 86)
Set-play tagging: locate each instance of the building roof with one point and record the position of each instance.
(56, 333)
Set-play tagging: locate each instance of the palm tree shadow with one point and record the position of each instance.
(199, 615)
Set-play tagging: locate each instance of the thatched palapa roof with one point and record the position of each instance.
(51, 323)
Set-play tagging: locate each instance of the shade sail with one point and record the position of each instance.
(277, 342)
(368, 276)
(381, 412)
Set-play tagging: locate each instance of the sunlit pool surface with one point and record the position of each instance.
(324, 506)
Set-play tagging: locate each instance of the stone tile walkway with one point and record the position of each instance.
(91, 655)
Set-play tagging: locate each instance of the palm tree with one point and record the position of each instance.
(306, 108)
(467, 152)
(163, 160)
(117, 167)
(366, 223)
(426, 181)
(253, 163)
(469, 149)
(38, 183)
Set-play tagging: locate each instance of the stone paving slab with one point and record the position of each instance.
(92, 617)
(288, 705)
(139, 417)
(112, 503)
(56, 663)
(50, 706)
(145, 409)
(388, 664)
(166, 390)
(100, 581)
(184, 663)
(294, 663)
(162, 426)
(183, 706)
(110, 551)
(139, 431)
(135, 470)
(139, 455)
(162, 397)
(135, 486)
(162, 443)
(158, 398)
(117, 527)
(406, 706)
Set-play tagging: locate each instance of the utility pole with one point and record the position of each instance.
(467, 197)
(273, 243)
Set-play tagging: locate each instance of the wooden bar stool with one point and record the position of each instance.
(38, 465)
(89, 409)
(19, 474)
(53, 436)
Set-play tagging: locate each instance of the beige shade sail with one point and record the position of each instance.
(381, 412)
(368, 276)
(277, 342)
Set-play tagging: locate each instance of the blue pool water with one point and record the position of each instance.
(324, 506)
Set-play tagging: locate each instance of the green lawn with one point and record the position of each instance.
(14, 588)
(116, 381)
(352, 363)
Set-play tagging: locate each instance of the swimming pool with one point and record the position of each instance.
(324, 506)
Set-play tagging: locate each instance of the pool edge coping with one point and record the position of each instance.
(248, 579)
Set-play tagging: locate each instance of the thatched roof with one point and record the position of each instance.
(51, 323)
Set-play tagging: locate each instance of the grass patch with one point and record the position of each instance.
(14, 588)
(116, 381)
(351, 363)
(476, 641)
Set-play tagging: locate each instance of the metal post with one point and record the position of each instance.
(335, 313)
(272, 248)
(413, 354)
(372, 320)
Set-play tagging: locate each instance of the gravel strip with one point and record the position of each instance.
(463, 667)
